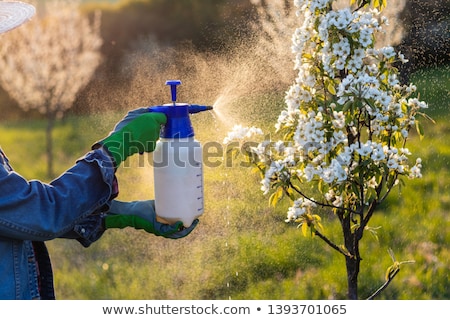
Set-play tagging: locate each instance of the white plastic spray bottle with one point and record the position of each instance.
(177, 163)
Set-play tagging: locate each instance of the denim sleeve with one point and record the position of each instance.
(69, 206)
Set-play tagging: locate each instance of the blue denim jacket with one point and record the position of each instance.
(32, 212)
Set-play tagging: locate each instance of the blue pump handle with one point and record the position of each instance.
(173, 88)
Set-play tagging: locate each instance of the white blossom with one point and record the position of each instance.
(350, 137)
(239, 132)
(365, 149)
(372, 183)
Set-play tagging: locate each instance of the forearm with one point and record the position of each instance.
(37, 211)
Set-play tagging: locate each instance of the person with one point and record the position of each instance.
(80, 204)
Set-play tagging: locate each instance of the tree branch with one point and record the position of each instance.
(317, 202)
(361, 5)
(331, 244)
(384, 286)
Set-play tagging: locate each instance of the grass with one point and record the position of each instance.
(242, 249)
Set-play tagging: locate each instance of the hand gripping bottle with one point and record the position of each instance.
(177, 163)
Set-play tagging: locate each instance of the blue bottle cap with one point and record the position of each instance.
(178, 123)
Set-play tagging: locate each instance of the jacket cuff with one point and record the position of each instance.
(90, 229)
(107, 167)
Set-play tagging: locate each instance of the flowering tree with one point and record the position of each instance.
(46, 62)
(276, 21)
(344, 129)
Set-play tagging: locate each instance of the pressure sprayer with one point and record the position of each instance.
(178, 164)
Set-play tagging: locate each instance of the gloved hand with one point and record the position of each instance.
(137, 132)
(141, 215)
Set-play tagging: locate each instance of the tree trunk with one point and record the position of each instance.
(352, 265)
(352, 261)
(49, 144)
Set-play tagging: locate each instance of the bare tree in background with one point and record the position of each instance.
(46, 62)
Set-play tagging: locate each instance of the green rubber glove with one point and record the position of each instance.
(137, 132)
(141, 215)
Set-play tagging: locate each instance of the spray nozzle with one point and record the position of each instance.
(178, 123)
(195, 108)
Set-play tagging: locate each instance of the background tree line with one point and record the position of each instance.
(214, 26)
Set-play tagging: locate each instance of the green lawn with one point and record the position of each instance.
(242, 248)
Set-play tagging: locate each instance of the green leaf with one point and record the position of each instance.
(290, 193)
(380, 4)
(419, 129)
(307, 56)
(426, 117)
(373, 231)
(320, 186)
(347, 105)
(344, 249)
(331, 89)
(376, 3)
(276, 196)
(355, 190)
(391, 253)
(371, 103)
(371, 195)
(273, 200)
(304, 229)
(391, 271)
(318, 226)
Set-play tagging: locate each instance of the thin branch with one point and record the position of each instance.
(384, 286)
(391, 273)
(388, 190)
(362, 4)
(331, 244)
(319, 203)
(370, 211)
